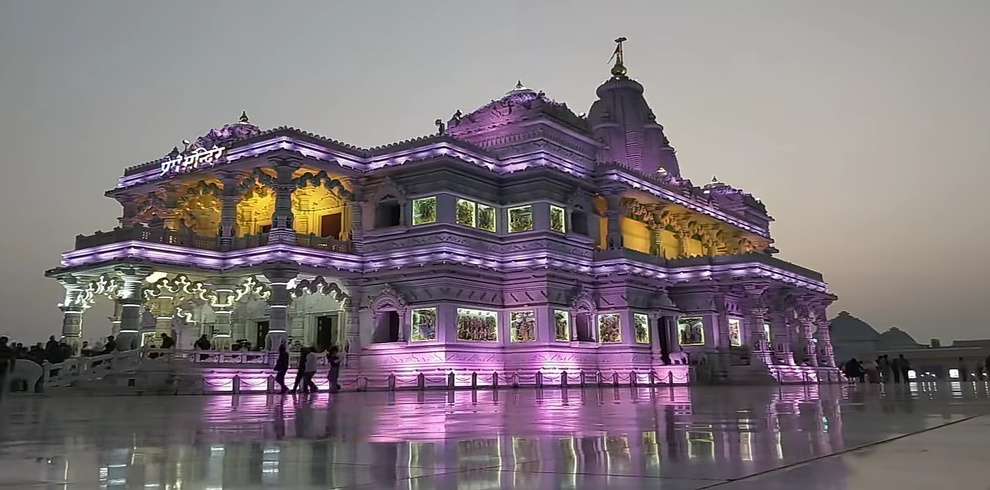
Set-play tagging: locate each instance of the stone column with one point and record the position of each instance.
(72, 325)
(131, 303)
(780, 331)
(806, 338)
(354, 209)
(223, 308)
(826, 356)
(282, 230)
(673, 338)
(352, 311)
(613, 237)
(278, 306)
(228, 212)
(755, 317)
(655, 320)
(164, 309)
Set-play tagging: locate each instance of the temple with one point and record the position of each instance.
(519, 238)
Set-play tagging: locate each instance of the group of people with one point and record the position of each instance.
(56, 351)
(309, 363)
(882, 370)
(885, 370)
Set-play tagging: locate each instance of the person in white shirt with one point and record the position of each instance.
(312, 362)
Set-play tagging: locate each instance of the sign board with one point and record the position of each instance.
(198, 158)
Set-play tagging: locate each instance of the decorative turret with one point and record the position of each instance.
(623, 121)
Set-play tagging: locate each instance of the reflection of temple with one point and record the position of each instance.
(523, 237)
(245, 441)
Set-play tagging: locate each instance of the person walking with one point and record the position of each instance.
(167, 341)
(312, 362)
(203, 343)
(110, 346)
(963, 372)
(52, 351)
(333, 360)
(905, 367)
(300, 369)
(895, 367)
(281, 367)
(883, 365)
(7, 359)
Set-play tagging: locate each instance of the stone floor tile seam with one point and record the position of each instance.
(842, 452)
(613, 475)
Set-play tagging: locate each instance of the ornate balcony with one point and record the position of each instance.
(146, 234)
(191, 240)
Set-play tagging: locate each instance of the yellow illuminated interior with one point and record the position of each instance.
(676, 232)
(255, 210)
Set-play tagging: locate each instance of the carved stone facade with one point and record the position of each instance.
(521, 238)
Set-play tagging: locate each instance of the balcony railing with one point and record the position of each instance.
(189, 239)
(322, 243)
(146, 234)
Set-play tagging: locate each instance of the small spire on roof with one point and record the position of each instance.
(244, 118)
(519, 85)
(619, 69)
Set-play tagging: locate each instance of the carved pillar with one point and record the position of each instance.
(73, 306)
(826, 356)
(780, 331)
(755, 318)
(282, 230)
(355, 208)
(163, 307)
(806, 337)
(222, 303)
(170, 215)
(352, 306)
(131, 304)
(278, 306)
(228, 212)
(72, 325)
(614, 213)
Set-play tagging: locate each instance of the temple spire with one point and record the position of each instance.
(619, 69)
(244, 117)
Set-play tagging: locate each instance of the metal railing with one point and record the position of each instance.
(189, 239)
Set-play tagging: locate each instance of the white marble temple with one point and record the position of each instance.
(806, 437)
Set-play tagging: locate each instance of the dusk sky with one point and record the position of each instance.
(863, 126)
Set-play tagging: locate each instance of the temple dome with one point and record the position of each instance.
(623, 121)
(224, 136)
(518, 105)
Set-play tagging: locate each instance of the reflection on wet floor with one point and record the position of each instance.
(678, 437)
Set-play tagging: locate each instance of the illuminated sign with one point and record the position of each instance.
(200, 157)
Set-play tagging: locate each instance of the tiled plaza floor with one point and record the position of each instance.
(804, 437)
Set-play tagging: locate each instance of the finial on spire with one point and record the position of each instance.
(619, 69)
(244, 118)
(519, 85)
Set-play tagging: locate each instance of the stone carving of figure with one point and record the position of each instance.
(441, 129)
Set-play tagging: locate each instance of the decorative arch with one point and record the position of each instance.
(583, 301)
(322, 178)
(388, 188)
(319, 285)
(106, 285)
(584, 310)
(180, 287)
(388, 299)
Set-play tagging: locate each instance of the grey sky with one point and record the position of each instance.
(861, 125)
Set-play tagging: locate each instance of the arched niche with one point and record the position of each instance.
(388, 311)
(584, 310)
